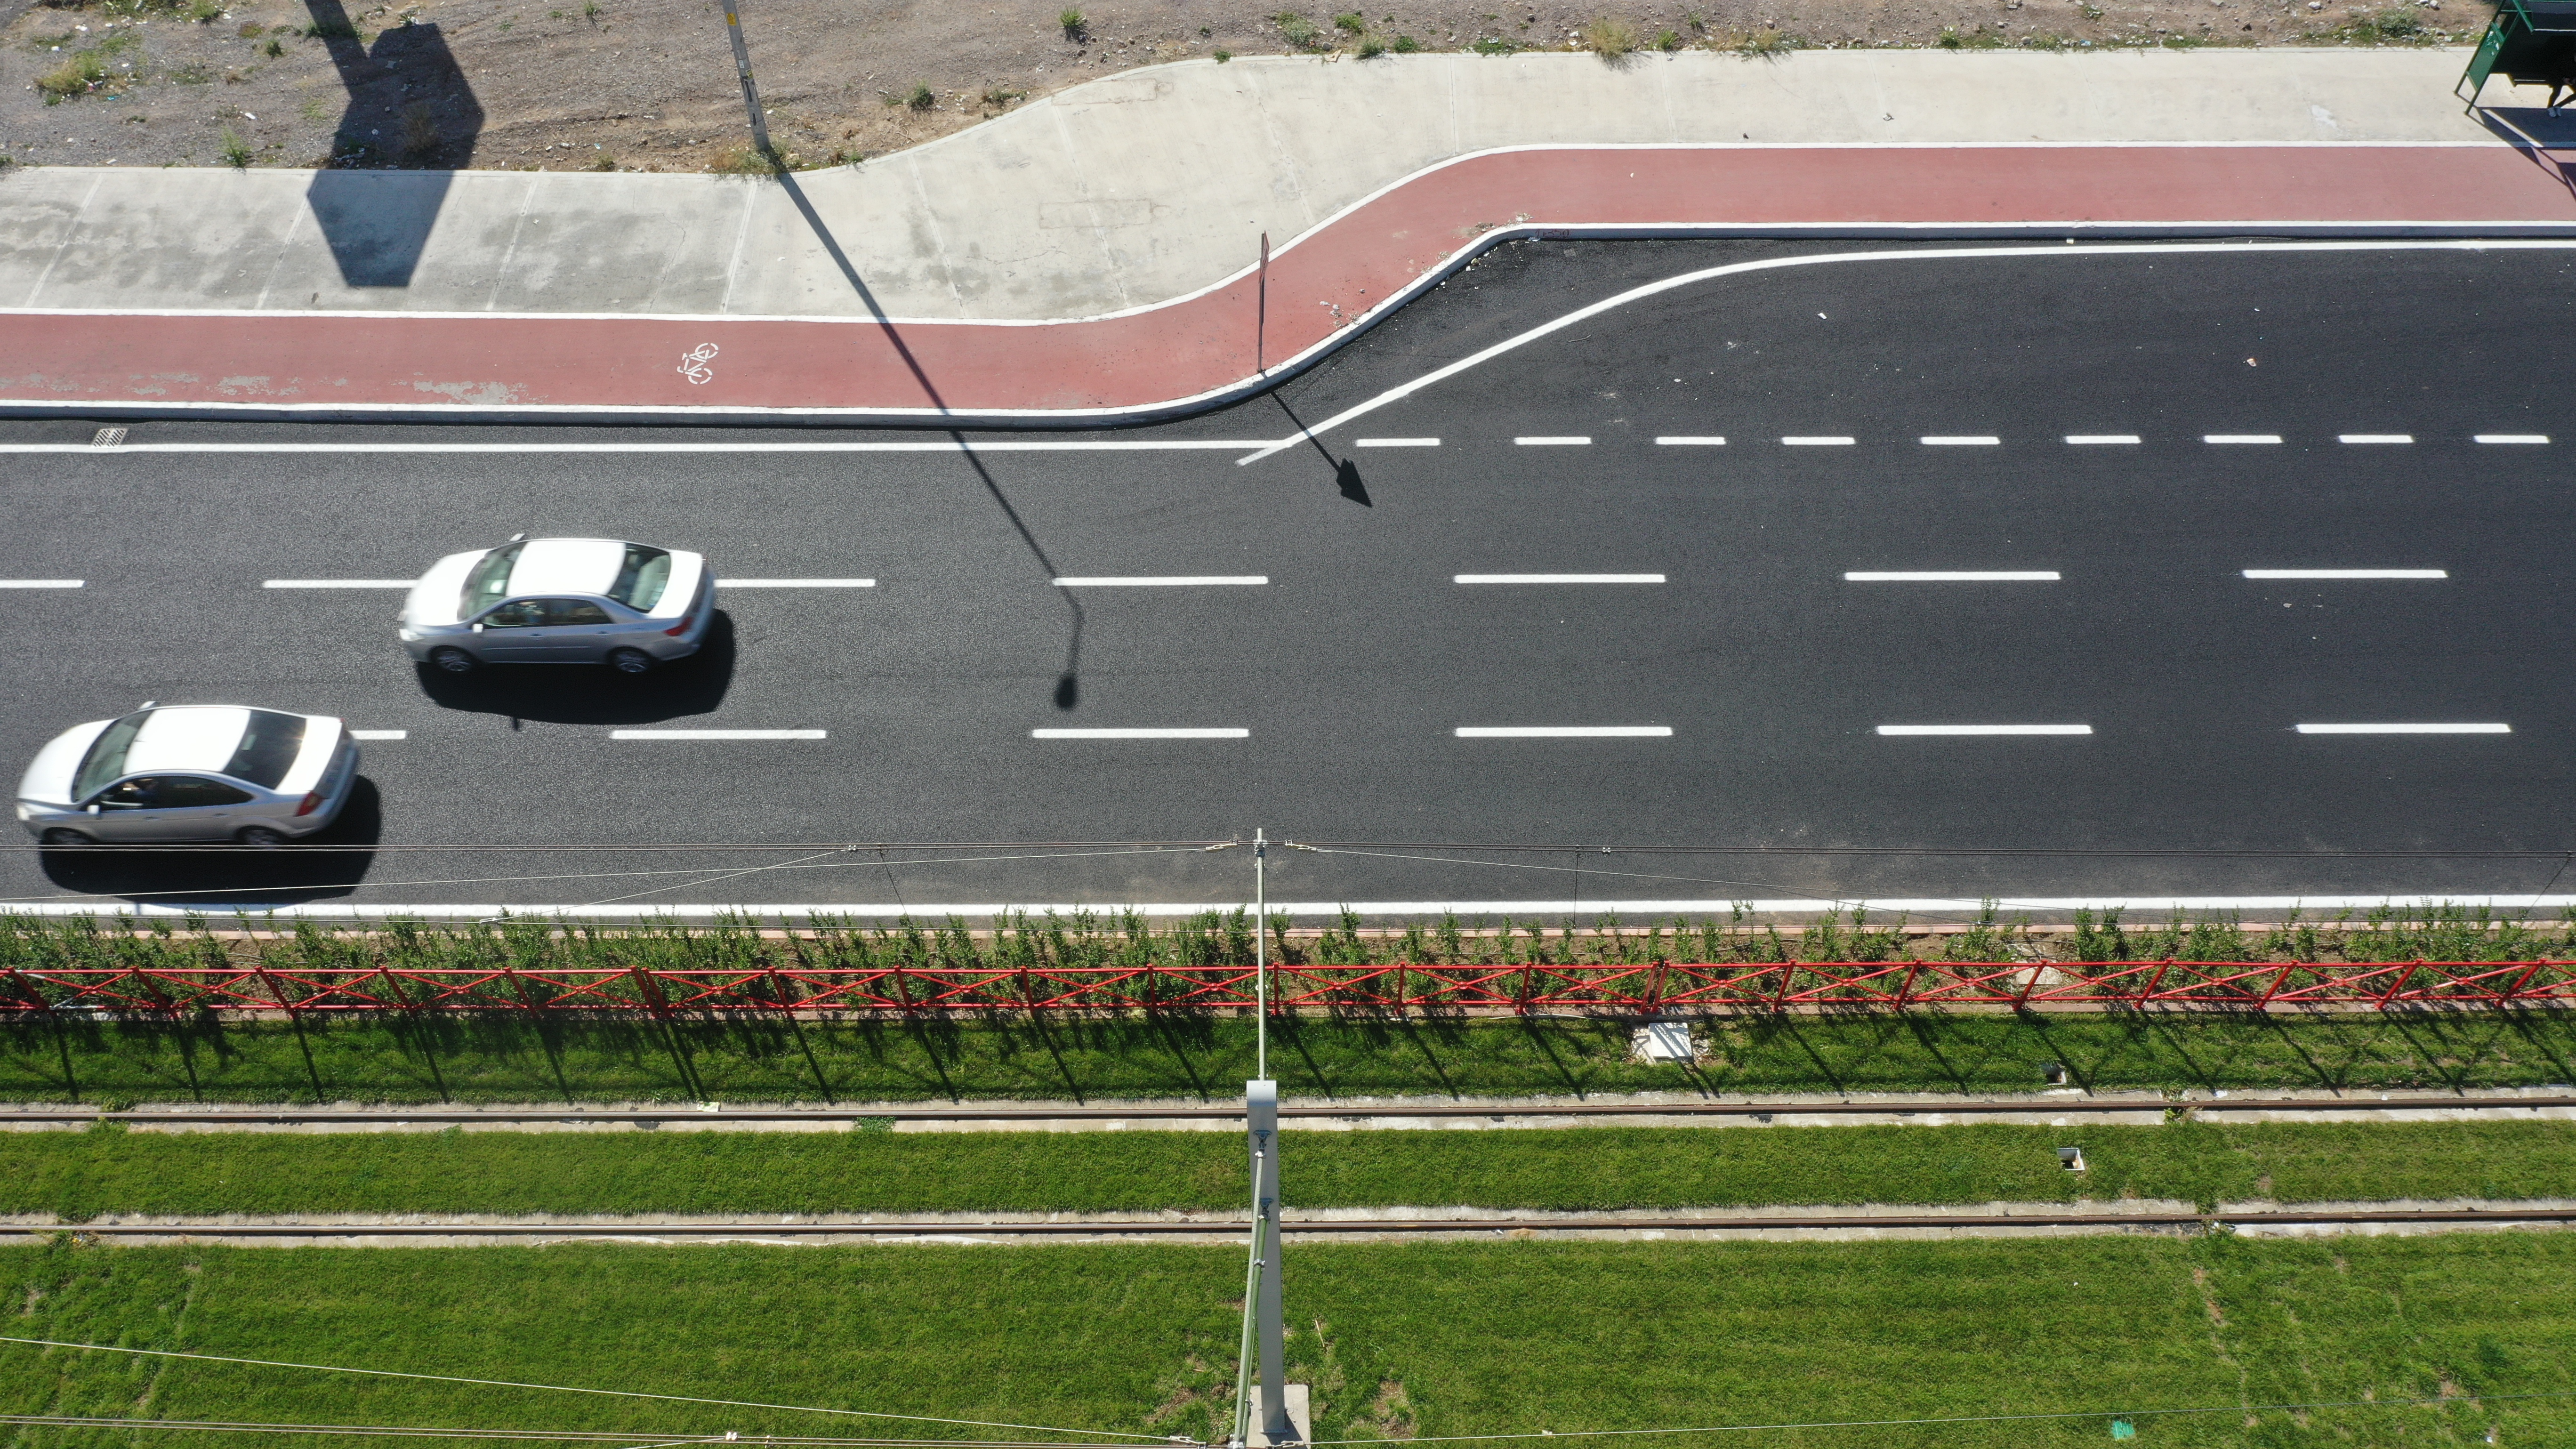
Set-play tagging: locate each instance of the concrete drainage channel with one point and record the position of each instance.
(1990, 1220)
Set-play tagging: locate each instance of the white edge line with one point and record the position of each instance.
(42, 583)
(796, 583)
(2406, 729)
(718, 734)
(941, 445)
(1140, 734)
(2347, 573)
(337, 583)
(1577, 732)
(1172, 581)
(1685, 440)
(1990, 729)
(1556, 578)
(2023, 576)
(380, 734)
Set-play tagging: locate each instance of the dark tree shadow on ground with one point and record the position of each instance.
(217, 878)
(593, 693)
(410, 112)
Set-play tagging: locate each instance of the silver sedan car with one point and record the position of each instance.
(189, 772)
(560, 601)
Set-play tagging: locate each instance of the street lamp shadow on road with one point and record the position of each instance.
(410, 124)
(593, 694)
(217, 878)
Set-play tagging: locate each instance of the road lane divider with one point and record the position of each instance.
(796, 583)
(380, 734)
(2406, 729)
(1164, 581)
(2101, 440)
(1955, 576)
(1140, 734)
(1804, 441)
(2513, 439)
(2365, 439)
(1564, 732)
(1689, 440)
(42, 583)
(1395, 442)
(1964, 440)
(2233, 440)
(2347, 573)
(717, 734)
(1987, 729)
(337, 583)
(1568, 441)
(1558, 578)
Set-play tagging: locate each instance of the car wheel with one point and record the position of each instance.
(630, 661)
(61, 839)
(454, 661)
(260, 837)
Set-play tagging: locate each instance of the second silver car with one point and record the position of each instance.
(560, 601)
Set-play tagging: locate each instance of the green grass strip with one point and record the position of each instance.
(1398, 1340)
(83, 1175)
(519, 1059)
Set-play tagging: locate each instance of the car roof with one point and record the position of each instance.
(566, 566)
(187, 737)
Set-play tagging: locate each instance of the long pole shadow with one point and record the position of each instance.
(1346, 473)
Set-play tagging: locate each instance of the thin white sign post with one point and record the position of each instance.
(1261, 1114)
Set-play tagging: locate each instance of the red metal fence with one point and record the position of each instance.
(1635, 989)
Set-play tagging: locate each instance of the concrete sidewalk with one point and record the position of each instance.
(1123, 193)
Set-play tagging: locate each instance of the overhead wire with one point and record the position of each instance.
(569, 1389)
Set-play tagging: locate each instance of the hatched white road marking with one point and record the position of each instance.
(796, 583)
(2513, 437)
(2374, 437)
(1807, 442)
(1140, 734)
(1395, 442)
(41, 583)
(2092, 440)
(2347, 573)
(1162, 581)
(1963, 441)
(1987, 729)
(337, 583)
(1553, 442)
(2406, 729)
(1564, 732)
(1559, 578)
(716, 734)
(1992, 576)
(380, 734)
(2229, 439)
(1686, 440)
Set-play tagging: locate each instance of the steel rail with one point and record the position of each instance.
(1906, 1107)
(1336, 1227)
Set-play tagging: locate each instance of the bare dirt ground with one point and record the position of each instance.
(650, 84)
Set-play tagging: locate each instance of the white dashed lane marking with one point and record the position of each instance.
(1564, 732)
(41, 583)
(2347, 573)
(1553, 442)
(2224, 440)
(1164, 581)
(1989, 576)
(1987, 729)
(1395, 442)
(1140, 734)
(2097, 440)
(2513, 438)
(380, 734)
(2359, 438)
(1559, 578)
(1815, 442)
(2406, 729)
(1963, 441)
(337, 583)
(796, 583)
(1686, 440)
(716, 734)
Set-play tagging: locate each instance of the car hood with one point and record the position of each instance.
(48, 780)
(440, 592)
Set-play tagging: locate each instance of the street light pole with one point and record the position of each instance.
(1260, 955)
(750, 92)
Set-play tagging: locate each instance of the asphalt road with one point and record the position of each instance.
(1354, 666)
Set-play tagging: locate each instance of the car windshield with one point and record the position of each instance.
(489, 583)
(269, 745)
(641, 577)
(106, 758)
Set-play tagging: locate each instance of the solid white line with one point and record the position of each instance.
(1564, 732)
(380, 734)
(2228, 439)
(2513, 437)
(2347, 573)
(1564, 442)
(1141, 734)
(1963, 441)
(1163, 581)
(2090, 440)
(2031, 576)
(1558, 579)
(1395, 442)
(716, 734)
(1685, 440)
(2374, 437)
(40, 583)
(1815, 442)
(2056, 729)
(942, 445)
(2405, 729)
(337, 583)
(796, 583)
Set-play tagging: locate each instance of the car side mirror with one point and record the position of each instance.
(478, 626)
(91, 807)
